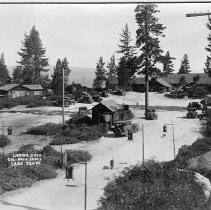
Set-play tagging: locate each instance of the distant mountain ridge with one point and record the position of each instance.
(82, 75)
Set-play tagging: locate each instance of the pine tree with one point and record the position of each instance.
(122, 73)
(100, 74)
(167, 64)
(128, 56)
(4, 73)
(112, 70)
(147, 40)
(185, 65)
(33, 60)
(57, 80)
(207, 68)
(17, 75)
(125, 46)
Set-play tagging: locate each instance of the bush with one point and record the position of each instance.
(75, 156)
(43, 171)
(12, 179)
(150, 186)
(46, 129)
(200, 146)
(4, 141)
(197, 91)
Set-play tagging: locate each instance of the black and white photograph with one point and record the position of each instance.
(105, 105)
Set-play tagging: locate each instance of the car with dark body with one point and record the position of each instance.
(86, 99)
(67, 101)
(191, 112)
(97, 98)
(195, 105)
(151, 114)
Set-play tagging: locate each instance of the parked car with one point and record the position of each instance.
(97, 98)
(191, 112)
(151, 114)
(120, 127)
(119, 92)
(104, 94)
(194, 104)
(86, 99)
(67, 102)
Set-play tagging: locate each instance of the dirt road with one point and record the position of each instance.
(55, 195)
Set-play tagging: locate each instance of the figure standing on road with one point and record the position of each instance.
(112, 163)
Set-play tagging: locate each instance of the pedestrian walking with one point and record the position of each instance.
(112, 163)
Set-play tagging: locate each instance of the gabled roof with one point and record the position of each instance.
(112, 105)
(163, 82)
(33, 87)
(8, 87)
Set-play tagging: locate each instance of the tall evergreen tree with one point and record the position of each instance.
(207, 68)
(57, 80)
(147, 40)
(112, 70)
(167, 64)
(33, 60)
(185, 65)
(208, 48)
(4, 73)
(128, 57)
(122, 73)
(17, 75)
(125, 46)
(100, 74)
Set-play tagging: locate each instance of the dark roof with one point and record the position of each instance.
(112, 105)
(163, 82)
(8, 87)
(33, 87)
(204, 79)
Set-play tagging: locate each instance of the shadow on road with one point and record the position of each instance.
(21, 206)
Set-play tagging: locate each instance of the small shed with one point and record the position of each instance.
(109, 111)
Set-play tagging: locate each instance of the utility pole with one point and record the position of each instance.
(3, 141)
(62, 113)
(173, 140)
(146, 68)
(143, 143)
(85, 186)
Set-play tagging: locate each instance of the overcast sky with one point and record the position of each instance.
(83, 33)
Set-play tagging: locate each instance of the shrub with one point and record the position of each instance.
(200, 146)
(43, 171)
(11, 179)
(46, 129)
(75, 156)
(150, 186)
(4, 141)
(197, 91)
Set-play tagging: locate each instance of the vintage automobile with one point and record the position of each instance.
(97, 98)
(120, 127)
(86, 99)
(67, 102)
(104, 94)
(191, 112)
(195, 105)
(151, 114)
